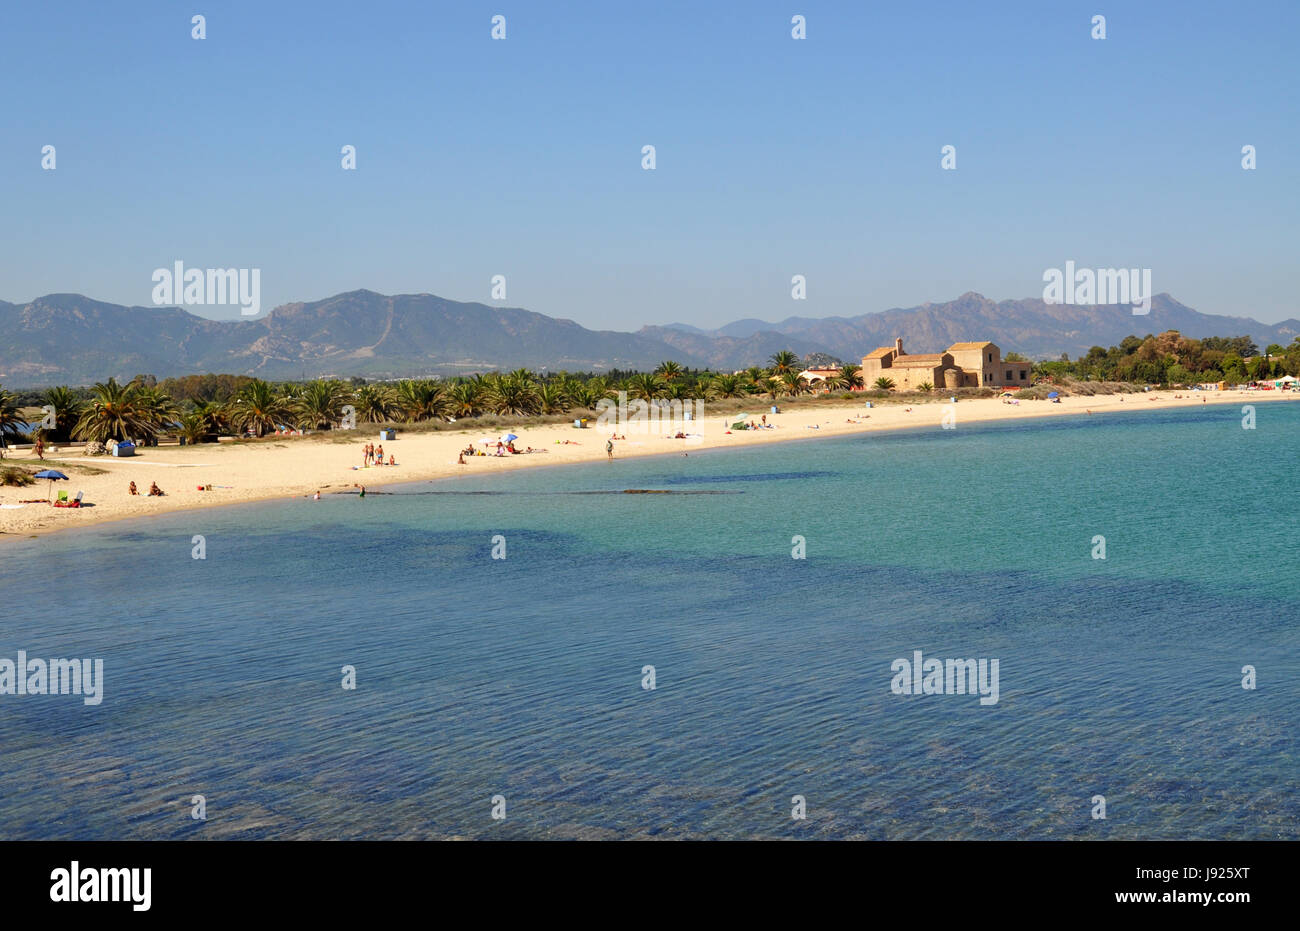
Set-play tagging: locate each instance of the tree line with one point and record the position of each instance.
(199, 407)
(1173, 359)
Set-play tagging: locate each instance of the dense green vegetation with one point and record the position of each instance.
(1171, 358)
(199, 407)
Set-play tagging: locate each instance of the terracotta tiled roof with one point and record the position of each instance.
(927, 359)
(879, 353)
(956, 346)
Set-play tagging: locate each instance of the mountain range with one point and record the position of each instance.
(72, 339)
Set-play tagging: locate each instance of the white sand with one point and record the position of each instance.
(295, 466)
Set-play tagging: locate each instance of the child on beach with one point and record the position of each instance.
(609, 449)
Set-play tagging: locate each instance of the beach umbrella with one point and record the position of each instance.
(51, 474)
(509, 438)
(1053, 394)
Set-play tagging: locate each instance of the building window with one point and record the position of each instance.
(1023, 373)
(990, 357)
(1009, 376)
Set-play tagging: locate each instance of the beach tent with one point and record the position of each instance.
(53, 475)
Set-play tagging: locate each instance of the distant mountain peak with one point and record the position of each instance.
(74, 339)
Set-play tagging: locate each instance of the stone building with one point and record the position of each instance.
(962, 365)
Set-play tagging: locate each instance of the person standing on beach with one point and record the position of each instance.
(609, 449)
(363, 492)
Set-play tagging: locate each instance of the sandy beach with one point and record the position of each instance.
(279, 467)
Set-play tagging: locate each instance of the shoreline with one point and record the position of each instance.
(256, 468)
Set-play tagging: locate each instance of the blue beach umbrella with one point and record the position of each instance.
(51, 474)
(1054, 394)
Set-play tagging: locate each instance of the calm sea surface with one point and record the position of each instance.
(522, 677)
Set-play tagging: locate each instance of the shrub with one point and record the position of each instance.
(11, 475)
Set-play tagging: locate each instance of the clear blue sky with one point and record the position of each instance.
(775, 157)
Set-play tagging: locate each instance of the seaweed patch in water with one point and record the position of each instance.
(763, 477)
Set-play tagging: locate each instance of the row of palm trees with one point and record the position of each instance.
(137, 410)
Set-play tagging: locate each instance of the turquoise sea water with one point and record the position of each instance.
(522, 677)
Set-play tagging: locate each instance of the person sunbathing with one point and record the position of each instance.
(392, 460)
(154, 490)
(133, 490)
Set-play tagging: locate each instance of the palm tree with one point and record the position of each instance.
(583, 393)
(67, 410)
(320, 404)
(214, 417)
(156, 408)
(258, 408)
(465, 397)
(512, 394)
(421, 399)
(791, 383)
(669, 371)
(728, 386)
(784, 361)
(113, 414)
(374, 403)
(757, 379)
(644, 386)
(850, 377)
(193, 427)
(11, 423)
(925, 386)
(551, 398)
(680, 390)
(884, 384)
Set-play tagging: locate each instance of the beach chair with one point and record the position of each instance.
(76, 502)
